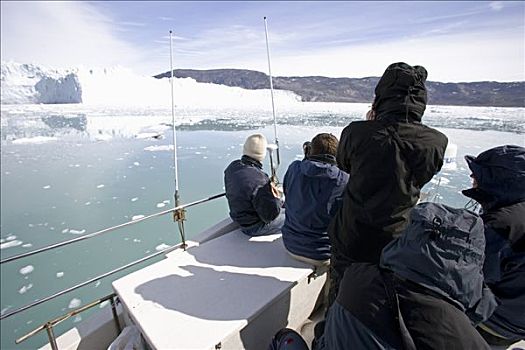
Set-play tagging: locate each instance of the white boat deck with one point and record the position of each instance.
(205, 297)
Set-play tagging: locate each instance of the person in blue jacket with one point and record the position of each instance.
(313, 188)
(499, 186)
(427, 292)
(253, 199)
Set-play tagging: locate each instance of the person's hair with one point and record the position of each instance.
(323, 143)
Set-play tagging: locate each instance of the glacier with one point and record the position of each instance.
(119, 86)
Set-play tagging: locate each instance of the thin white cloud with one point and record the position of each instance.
(496, 5)
(62, 34)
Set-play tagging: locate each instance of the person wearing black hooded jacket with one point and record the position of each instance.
(389, 158)
(499, 186)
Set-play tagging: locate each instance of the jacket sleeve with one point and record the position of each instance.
(265, 203)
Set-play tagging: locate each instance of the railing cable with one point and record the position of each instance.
(94, 234)
(70, 289)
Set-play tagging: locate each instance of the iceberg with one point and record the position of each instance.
(119, 86)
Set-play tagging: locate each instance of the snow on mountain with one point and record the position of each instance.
(118, 86)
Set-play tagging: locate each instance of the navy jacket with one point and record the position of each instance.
(313, 191)
(249, 193)
(436, 271)
(500, 173)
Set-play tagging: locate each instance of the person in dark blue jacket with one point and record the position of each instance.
(254, 201)
(313, 188)
(499, 186)
(427, 292)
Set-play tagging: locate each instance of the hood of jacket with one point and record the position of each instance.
(400, 94)
(500, 175)
(312, 167)
(442, 249)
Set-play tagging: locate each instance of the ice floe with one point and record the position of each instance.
(60, 274)
(10, 244)
(77, 232)
(161, 247)
(136, 217)
(74, 303)
(24, 289)
(34, 140)
(159, 148)
(100, 186)
(26, 269)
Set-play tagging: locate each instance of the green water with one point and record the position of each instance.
(91, 177)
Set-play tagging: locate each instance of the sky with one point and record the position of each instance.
(456, 41)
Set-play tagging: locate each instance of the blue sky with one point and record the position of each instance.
(455, 41)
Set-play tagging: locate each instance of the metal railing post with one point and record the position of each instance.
(51, 336)
(115, 314)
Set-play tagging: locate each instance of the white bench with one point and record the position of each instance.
(231, 292)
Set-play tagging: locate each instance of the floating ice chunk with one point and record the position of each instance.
(134, 199)
(77, 232)
(100, 186)
(74, 303)
(102, 137)
(104, 304)
(137, 240)
(97, 284)
(159, 148)
(87, 203)
(46, 187)
(4, 310)
(161, 205)
(136, 217)
(2, 240)
(66, 230)
(10, 244)
(167, 201)
(161, 247)
(60, 274)
(26, 269)
(148, 135)
(24, 289)
(36, 139)
(10, 238)
(27, 245)
(136, 163)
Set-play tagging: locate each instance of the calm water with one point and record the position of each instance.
(72, 170)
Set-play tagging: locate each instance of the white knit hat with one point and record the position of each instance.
(255, 147)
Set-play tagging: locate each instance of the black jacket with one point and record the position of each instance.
(500, 174)
(435, 268)
(249, 194)
(389, 160)
(362, 317)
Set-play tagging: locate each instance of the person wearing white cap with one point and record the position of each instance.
(253, 200)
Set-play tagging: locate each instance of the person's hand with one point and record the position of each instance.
(275, 191)
(371, 115)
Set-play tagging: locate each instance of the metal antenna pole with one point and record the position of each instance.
(178, 215)
(271, 90)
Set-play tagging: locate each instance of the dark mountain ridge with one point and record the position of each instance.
(324, 89)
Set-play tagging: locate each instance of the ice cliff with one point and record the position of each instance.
(118, 86)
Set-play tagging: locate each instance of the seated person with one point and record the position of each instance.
(499, 186)
(427, 292)
(313, 188)
(254, 201)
